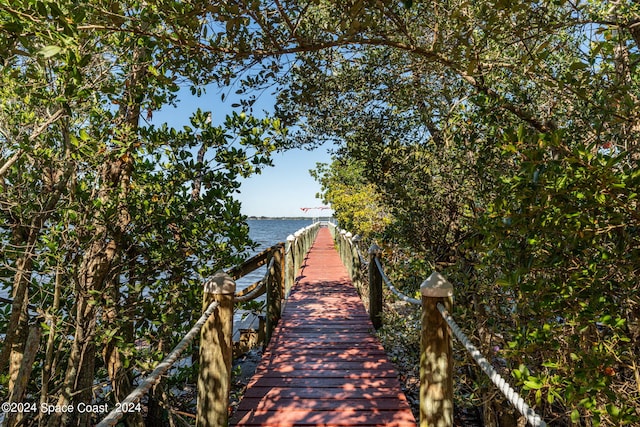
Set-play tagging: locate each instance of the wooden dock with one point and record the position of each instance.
(324, 366)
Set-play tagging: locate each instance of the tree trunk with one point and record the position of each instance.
(101, 253)
(157, 414)
(119, 376)
(49, 360)
(19, 388)
(20, 346)
(26, 233)
(13, 345)
(98, 259)
(17, 330)
(94, 270)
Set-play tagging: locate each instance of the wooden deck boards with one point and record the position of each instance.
(323, 366)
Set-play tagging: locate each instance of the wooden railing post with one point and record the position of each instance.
(356, 272)
(305, 242)
(274, 292)
(345, 248)
(216, 351)
(375, 287)
(298, 251)
(342, 239)
(290, 265)
(346, 253)
(308, 238)
(332, 230)
(281, 272)
(436, 361)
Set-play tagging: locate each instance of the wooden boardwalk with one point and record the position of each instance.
(323, 366)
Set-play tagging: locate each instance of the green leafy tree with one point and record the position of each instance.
(424, 99)
(421, 95)
(561, 232)
(109, 221)
(355, 202)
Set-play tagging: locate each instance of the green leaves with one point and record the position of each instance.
(571, 221)
(49, 51)
(90, 185)
(356, 203)
(433, 106)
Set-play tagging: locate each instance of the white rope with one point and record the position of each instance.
(363, 261)
(258, 290)
(399, 294)
(255, 293)
(534, 419)
(134, 397)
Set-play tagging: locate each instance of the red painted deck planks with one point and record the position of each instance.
(323, 366)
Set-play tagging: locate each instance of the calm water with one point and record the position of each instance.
(266, 233)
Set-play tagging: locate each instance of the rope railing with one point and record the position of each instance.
(361, 258)
(134, 397)
(504, 387)
(392, 288)
(215, 326)
(259, 289)
(436, 383)
(252, 287)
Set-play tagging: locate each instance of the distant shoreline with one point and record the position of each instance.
(321, 218)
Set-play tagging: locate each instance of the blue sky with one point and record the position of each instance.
(278, 191)
(294, 187)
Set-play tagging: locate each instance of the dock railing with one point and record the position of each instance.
(215, 327)
(437, 329)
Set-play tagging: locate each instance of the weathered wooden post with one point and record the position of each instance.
(274, 294)
(436, 360)
(343, 245)
(356, 274)
(290, 266)
(299, 252)
(305, 244)
(346, 254)
(216, 352)
(281, 272)
(332, 230)
(375, 287)
(308, 238)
